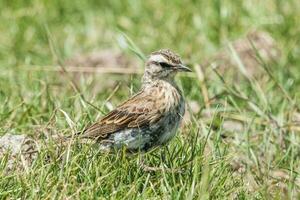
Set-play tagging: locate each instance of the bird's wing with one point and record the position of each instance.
(140, 110)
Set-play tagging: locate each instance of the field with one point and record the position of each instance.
(239, 140)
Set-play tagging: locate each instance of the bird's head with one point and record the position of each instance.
(164, 64)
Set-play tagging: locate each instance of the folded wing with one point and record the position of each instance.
(139, 111)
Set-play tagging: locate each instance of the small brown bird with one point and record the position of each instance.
(149, 118)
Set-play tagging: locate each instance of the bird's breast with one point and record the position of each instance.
(168, 96)
(173, 108)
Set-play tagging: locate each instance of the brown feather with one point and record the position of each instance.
(137, 112)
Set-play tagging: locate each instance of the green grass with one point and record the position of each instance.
(198, 163)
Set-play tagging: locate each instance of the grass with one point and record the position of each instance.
(204, 161)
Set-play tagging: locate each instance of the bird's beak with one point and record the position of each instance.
(182, 68)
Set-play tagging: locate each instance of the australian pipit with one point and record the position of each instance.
(149, 118)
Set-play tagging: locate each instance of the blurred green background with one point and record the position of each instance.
(194, 29)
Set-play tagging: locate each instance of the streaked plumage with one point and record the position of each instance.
(151, 117)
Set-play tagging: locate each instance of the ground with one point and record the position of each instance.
(239, 140)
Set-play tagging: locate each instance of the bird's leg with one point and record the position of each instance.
(147, 168)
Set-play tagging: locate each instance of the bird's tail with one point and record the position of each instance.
(74, 135)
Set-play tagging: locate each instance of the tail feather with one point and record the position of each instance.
(75, 135)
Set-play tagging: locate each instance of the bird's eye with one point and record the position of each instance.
(165, 65)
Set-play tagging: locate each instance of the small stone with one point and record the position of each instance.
(11, 143)
(18, 146)
(195, 107)
(232, 126)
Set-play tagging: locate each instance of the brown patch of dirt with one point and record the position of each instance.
(252, 47)
(103, 63)
(107, 58)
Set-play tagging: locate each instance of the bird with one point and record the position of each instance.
(151, 117)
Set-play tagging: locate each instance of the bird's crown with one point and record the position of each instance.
(168, 55)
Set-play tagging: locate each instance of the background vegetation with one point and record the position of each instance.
(259, 160)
